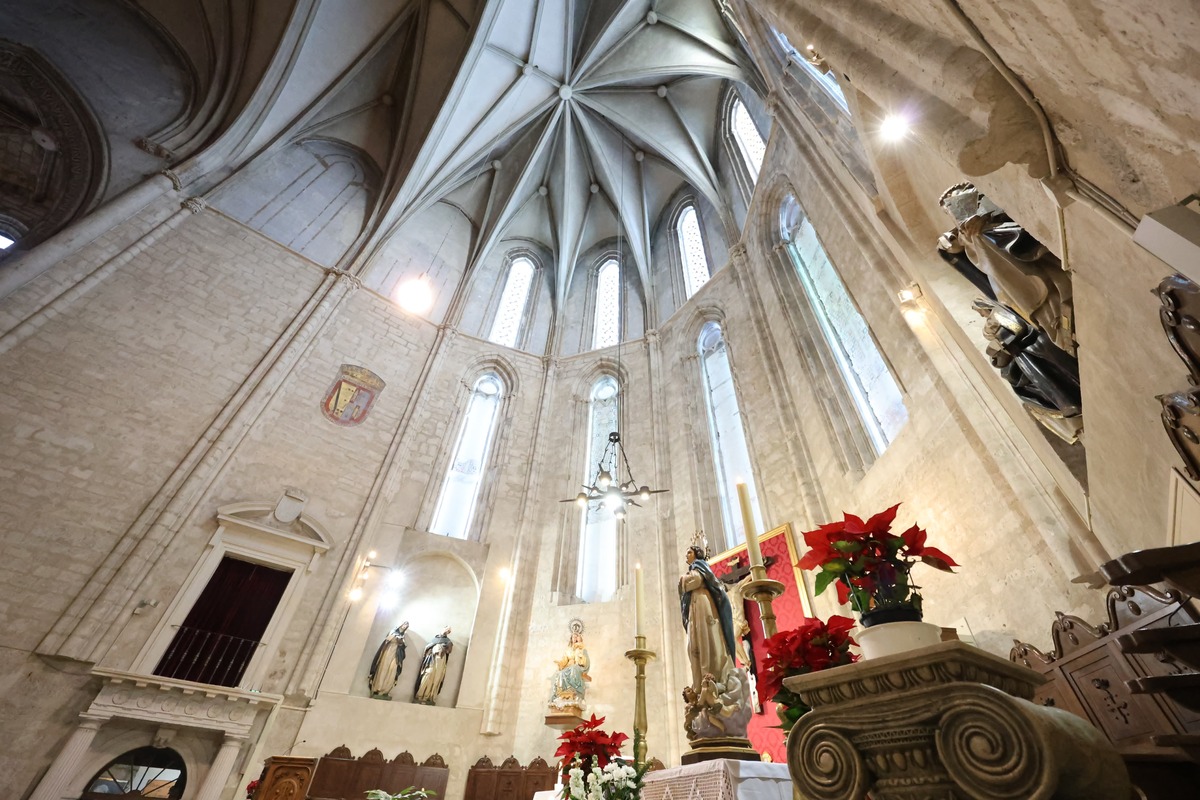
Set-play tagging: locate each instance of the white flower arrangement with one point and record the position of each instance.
(615, 781)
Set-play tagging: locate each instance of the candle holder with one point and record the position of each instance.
(639, 655)
(763, 590)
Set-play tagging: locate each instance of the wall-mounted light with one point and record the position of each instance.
(355, 594)
(909, 294)
(894, 127)
(414, 295)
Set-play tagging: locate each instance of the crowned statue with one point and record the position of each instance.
(433, 668)
(717, 705)
(387, 664)
(571, 679)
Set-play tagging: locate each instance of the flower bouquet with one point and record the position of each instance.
(813, 646)
(592, 766)
(870, 565)
(251, 788)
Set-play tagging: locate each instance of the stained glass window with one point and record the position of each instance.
(749, 140)
(596, 579)
(871, 385)
(691, 248)
(456, 504)
(731, 456)
(507, 324)
(608, 305)
(148, 772)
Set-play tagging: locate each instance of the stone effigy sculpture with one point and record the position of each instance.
(387, 663)
(433, 668)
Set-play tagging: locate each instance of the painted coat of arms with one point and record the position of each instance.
(351, 395)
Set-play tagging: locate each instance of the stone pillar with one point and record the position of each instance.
(222, 767)
(66, 764)
(946, 721)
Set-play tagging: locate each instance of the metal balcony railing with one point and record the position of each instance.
(206, 657)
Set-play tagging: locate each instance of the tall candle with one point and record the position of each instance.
(748, 525)
(639, 603)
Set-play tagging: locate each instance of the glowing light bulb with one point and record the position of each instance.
(414, 295)
(644, 493)
(581, 500)
(356, 594)
(613, 499)
(894, 127)
(371, 555)
(395, 579)
(603, 479)
(620, 513)
(505, 574)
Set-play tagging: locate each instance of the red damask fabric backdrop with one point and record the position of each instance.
(779, 550)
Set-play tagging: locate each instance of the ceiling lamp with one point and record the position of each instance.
(608, 489)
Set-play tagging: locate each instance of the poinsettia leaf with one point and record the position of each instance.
(854, 524)
(882, 521)
(822, 581)
(811, 560)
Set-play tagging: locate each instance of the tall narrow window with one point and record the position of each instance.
(731, 456)
(596, 579)
(871, 385)
(456, 505)
(511, 311)
(608, 305)
(746, 134)
(691, 250)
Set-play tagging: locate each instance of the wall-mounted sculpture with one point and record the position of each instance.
(571, 679)
(387, 664)
(433, 668)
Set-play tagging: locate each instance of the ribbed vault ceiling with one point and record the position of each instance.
(573, 121)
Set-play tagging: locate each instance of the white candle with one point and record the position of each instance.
(748, 525)
(639, 603)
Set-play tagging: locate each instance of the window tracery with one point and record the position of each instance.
(607, 330)
(506, 326)
(731, 454)
(870, 383)
(696, 270)
(460, 490)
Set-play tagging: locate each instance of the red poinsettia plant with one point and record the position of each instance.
(592, 746)
(868, 563)
(813, 645)
(251, 788)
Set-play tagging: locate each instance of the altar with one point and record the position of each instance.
(720, 779)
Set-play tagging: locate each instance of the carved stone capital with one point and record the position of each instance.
(173, 177)
(194, 204)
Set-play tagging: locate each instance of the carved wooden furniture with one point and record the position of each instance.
(509, 781)
(341, 776)
(945, 721)
(1180, 317)
(1092, 674)
(285, 778)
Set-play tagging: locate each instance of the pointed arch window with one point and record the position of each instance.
(823, 77)
(596, 578)
(875, 393)
(607, 330)
(749, 140)
(506, 327)
(691, 249)
(460, 491)
(731, 455)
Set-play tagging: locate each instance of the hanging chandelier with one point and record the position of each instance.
(607, 488)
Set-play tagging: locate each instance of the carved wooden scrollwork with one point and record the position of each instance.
(1181, 419)
(1179, 315)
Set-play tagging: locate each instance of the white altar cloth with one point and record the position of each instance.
(722, 779)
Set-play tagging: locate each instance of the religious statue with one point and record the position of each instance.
(1044, 376)
(717, 703)
(433, 668)
(388, 661)
(1023, 273)
(570, 682)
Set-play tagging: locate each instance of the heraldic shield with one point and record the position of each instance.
(351, 395)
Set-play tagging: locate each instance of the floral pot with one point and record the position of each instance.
(891, 638)
(880, 616)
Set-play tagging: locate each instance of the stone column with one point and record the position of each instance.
(66, 764)
(946, 721)
(222, 767)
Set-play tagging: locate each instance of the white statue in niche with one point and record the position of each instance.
(388, 661)
(433, 668)
(570, 682)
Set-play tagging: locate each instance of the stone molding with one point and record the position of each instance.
(129, 695)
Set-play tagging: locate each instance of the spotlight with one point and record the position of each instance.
(603, 480)
(355, 594)
(505, 574)
(395, 579)
(909, 293)
(414, 295)
(894, 127)
(581, 500)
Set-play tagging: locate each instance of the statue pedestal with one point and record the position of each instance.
(945, 721)
(737, 748)
(563, 720)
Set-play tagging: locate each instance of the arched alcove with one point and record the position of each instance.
(431, 591)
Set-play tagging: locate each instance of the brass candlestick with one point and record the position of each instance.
(639, 655)
(763, 590)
